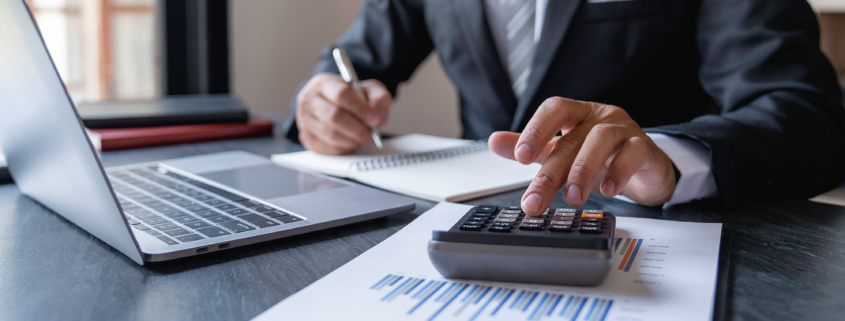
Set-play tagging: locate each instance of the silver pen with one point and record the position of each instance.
(351, 78)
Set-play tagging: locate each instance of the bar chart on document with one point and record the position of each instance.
(441, 299)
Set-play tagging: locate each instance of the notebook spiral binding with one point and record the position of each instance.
(418, 157)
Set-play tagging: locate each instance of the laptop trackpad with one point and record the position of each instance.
(271, 181)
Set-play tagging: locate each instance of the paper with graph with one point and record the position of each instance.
(662, 270)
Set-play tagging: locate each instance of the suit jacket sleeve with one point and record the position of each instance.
(781, 130)
(387, 41)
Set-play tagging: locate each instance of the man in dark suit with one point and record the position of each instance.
(666, 101)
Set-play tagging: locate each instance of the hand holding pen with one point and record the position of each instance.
(333, 119)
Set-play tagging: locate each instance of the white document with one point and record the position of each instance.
(428, 167)
(662, 270)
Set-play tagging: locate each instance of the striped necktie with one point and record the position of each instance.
(520, 39)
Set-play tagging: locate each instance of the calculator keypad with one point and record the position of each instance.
(491, 218)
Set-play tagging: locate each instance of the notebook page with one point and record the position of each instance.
(453, 179)
(339, 165)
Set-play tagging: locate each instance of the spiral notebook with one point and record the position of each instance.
(428, 167)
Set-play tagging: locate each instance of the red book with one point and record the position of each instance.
(125, 138)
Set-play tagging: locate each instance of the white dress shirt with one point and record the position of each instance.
(690, 157)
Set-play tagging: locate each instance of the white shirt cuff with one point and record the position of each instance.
(692, 159)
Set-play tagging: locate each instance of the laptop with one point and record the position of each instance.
(155, 211)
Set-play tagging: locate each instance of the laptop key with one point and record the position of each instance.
(186, 219)
(207, 213)
(175, 214)
(156, 220)
(189, 237)
(165, 194)
(195, 194)
(219, 218)
(166, 226)
(288, 219)
(238, 211)
(262, 208)
(249, 203)
(132, 221)
(225, 207)
(185, 203)
(167, 240)
(213, 231)
(164, 209)
(204, 198)
(197, 224)
(177, 232)
(134, 210)
(175, 199)
(275, 214)
(237, 226)
(213, 201)
(144, 215)
(196, 208)
(261, 222)
(141, 227)
(153, 232)
(153, 203)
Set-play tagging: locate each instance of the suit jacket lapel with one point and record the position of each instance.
(482, 47)
(559, 14)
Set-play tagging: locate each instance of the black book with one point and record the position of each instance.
(167, 111)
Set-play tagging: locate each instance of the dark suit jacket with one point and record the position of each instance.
(744, 77)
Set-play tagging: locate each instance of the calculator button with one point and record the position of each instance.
(505, 220)
(590, 219)
(565, 210)
(560, 227)
(572, 214)
(467, 227)
(593, 211)
(563, 218)
(501, 224)
(512, 208)
(476, 218)
(533, 221)
(558, 222)
(508, 215)
(486, 208)
(511, 211)
(482, 214)
(505, 229)
(474, 222)
(590, 223)
(530, 226)
(589, 229)
(592, 215)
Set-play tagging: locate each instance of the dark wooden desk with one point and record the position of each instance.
(786, 262)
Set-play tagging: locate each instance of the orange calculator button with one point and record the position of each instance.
(588, 215)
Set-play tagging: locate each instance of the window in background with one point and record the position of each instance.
(103, 49)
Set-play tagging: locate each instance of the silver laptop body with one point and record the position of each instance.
(156, 211)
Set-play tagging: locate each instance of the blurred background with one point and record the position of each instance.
(260, 50)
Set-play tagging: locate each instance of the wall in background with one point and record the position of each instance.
(274, 47)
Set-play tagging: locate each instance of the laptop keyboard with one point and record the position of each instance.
(176, 209)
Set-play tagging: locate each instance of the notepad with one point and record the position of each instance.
(428, 167)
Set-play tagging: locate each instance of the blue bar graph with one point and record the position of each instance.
(443, 299)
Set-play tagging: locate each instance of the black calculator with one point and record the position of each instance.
(563, 246)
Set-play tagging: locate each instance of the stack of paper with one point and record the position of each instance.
(662, 270)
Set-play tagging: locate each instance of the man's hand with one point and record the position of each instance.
(601, 149)
(333, 120)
